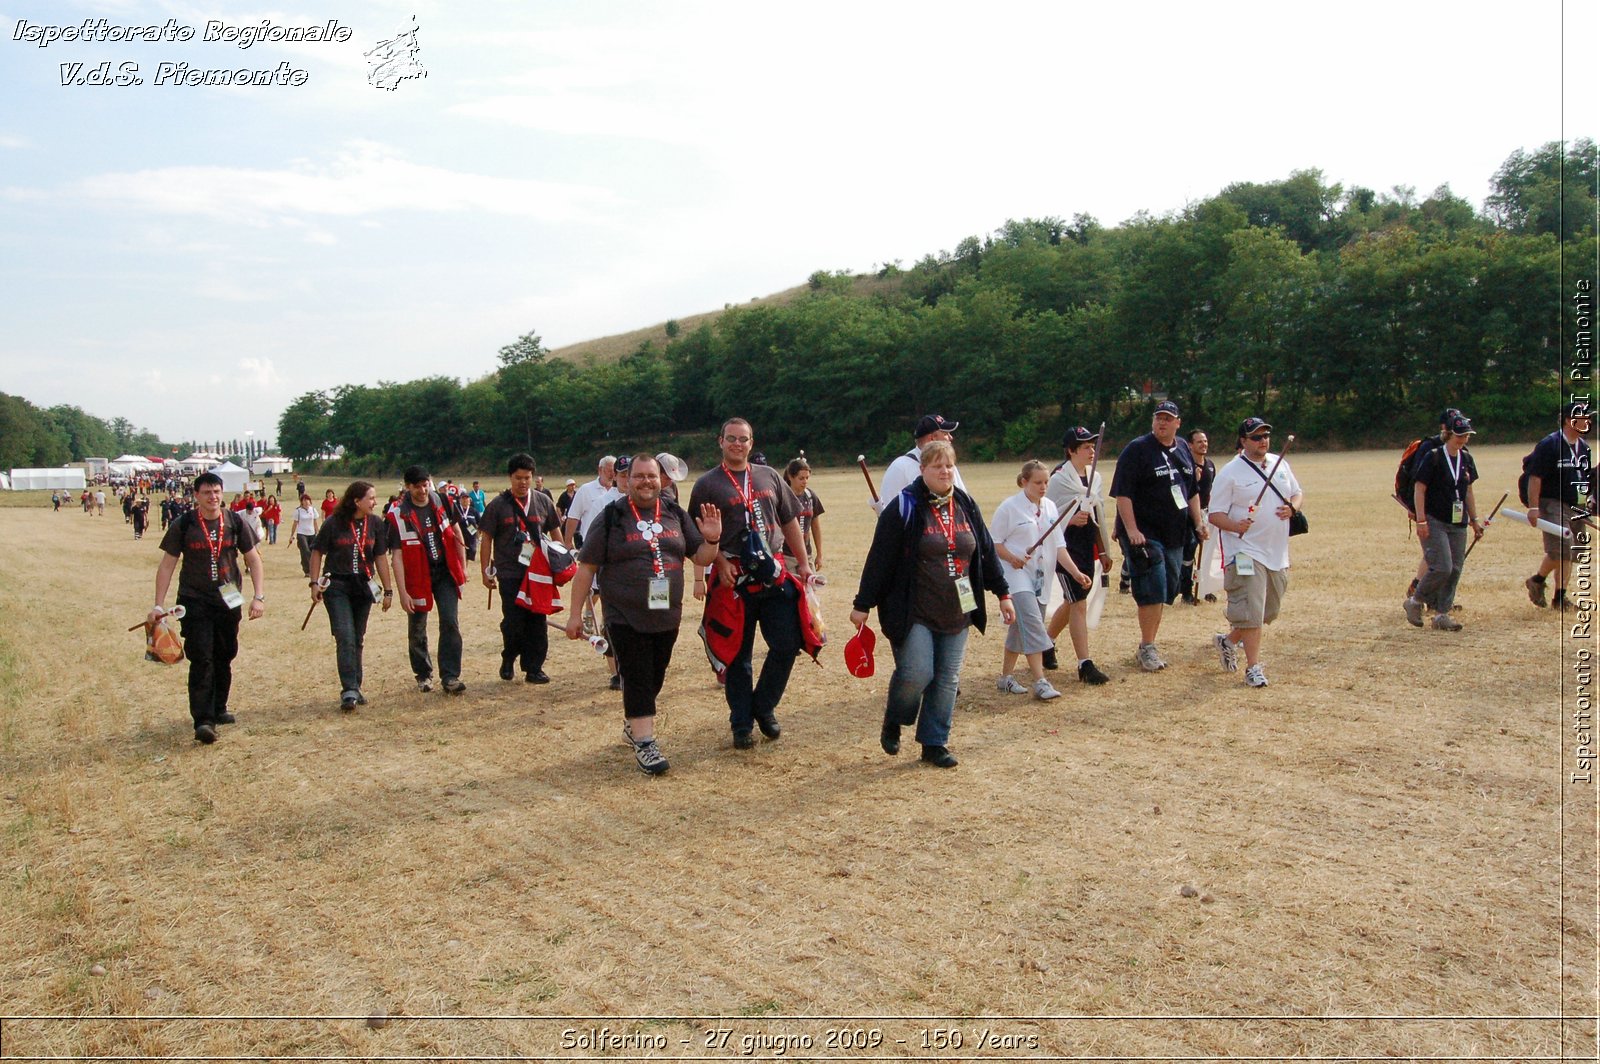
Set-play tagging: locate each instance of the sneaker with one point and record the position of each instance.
(768, 723)
(616, 681)
(1211, 598)
(1087, 673)
(1255, 676)
(1227, 652)
(1446, 623)
(347, 704)
(1043, 691)
(537, 676)
(454, 687)
(1050, 662)
(424, 684)
(1008, 685)
(205, 733)
(743, 740)
(1535, 586)
(650, 758)
(940, 756)
(224, 718)
(1149, 658)
(1413, 610)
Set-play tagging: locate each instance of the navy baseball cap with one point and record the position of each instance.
(1078, 434)
(1167, 406)
(1459, 425)
(1576, 409)
(1252, 425)
(928, 424)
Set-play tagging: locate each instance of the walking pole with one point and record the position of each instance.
(1496, 510)
(1268, 482)
(322, 583)
(1072, 508)
(861, 460)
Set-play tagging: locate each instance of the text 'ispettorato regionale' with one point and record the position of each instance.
(168, 72)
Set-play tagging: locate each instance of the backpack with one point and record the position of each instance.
(1405, 474)
(1527, 470)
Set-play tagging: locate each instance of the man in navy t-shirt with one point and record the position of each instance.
(1560, 490)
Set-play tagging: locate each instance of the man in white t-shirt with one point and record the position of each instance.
(1254, 545)
(589, 500)
(908, 467)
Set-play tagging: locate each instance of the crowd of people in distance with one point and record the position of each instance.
(745, 539)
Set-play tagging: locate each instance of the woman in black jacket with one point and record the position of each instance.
(930, 562)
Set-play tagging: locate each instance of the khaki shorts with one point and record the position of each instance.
(1253, 600)
(1557, 512)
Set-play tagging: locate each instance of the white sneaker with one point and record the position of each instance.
(1149, 658)
(1043, 691)
(1227, 651)
(1008, 685)
(1255, 676)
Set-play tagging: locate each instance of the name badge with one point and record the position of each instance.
(1458, 511)
(375, 589)
(964, 595)
(660, 593)
(1177, 498)
(525, 555)
(231, 595)
(1244, 565)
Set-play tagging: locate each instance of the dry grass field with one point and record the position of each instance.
(1386, 856)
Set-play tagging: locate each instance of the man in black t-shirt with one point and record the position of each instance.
(1157, 505)
(1560, 490)
(208, 544)
(514, 524)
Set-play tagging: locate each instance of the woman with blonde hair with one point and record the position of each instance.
(1031, 545)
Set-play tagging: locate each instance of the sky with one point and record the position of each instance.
(194, 257)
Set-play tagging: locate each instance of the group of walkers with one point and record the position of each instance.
(753, 536)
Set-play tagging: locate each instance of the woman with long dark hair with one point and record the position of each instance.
(349, 572)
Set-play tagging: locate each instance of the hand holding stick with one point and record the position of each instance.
(598, 642)
(1287, 443)
(322, 582)
(176, 612)
(861, 460)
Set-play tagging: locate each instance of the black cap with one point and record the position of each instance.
(1459, 425)
(623, 462)
(1078, 434)
(1571, 410)
(1252, 425)
(1449, 412)
(1167, 406)
(928, 424)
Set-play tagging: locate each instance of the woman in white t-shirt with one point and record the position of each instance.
(1019, 523)
(306, 519)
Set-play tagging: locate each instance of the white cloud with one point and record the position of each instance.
(13, 142)
(256, 374)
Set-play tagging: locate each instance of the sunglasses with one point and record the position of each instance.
(1260, 436)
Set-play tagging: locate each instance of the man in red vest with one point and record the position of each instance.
(430, 567)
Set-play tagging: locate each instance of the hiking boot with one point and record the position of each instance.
(1558, 601)
(1227, 652)
(1008, 685)
(1149, 658)
(424, 684)
(507, 670)
(347, 704)
(1050, 662)
(889, 737)
(1446, 623)
(1211, 598)
(361, 699)
(205, 733)
(650, 758)
(224, 718)
(1413, 610)
(454, 687)
(940, 756)
(1255, 676)
(1043, 691)
(768, 723)
(1087, 673)
(743, 740)
(537, 676)
(1535, 586)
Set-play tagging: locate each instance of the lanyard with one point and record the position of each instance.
(651, 530)
(430, 537)
(358, 540)
(213, 546)
(947, 525)
(746, 495)
(1455, 471)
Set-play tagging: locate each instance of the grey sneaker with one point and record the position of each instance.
(1535, 586)
(1413, 610)
(1008, 685)
(1043, 691)
(1446, 623)
(1227, 651)
(1149, 658)
(424, 684)
(1255, 676)
(651, 759)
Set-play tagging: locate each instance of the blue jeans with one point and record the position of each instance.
(446, 603)
(774, 608)
(348, 603)
(927, 671)
(1159, 584)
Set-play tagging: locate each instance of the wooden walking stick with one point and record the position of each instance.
(861, 460)
(1492, 513)
(1287, 443)
(322, 583)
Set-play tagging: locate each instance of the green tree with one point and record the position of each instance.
(305, 428)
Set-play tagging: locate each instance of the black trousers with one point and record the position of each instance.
(642, 660)
(210, 642)
(524, 635)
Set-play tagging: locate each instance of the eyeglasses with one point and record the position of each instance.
(1260, 436)
(736, 439)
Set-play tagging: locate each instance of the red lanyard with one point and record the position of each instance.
(746, 495)
(359, 541)
(651, 533)
(213, 547)
(947, 524)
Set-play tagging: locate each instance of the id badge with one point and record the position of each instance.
(375, 589)
(1177, 498)
(1038, 585)
(1458, 510)
(964, 595)
(525, 555)
(1244, 565)
(660, 593)
(231, 595)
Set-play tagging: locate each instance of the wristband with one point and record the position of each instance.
(261, 598)
(388, 593)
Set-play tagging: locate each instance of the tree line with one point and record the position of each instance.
(33, 437)
(1349, 314)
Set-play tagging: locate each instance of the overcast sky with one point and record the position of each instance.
(191, 258)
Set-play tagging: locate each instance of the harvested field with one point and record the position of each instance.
(1387, 853)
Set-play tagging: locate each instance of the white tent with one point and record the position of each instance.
(271, 465)
(233, 477)
(35, 479)
(128, 465)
